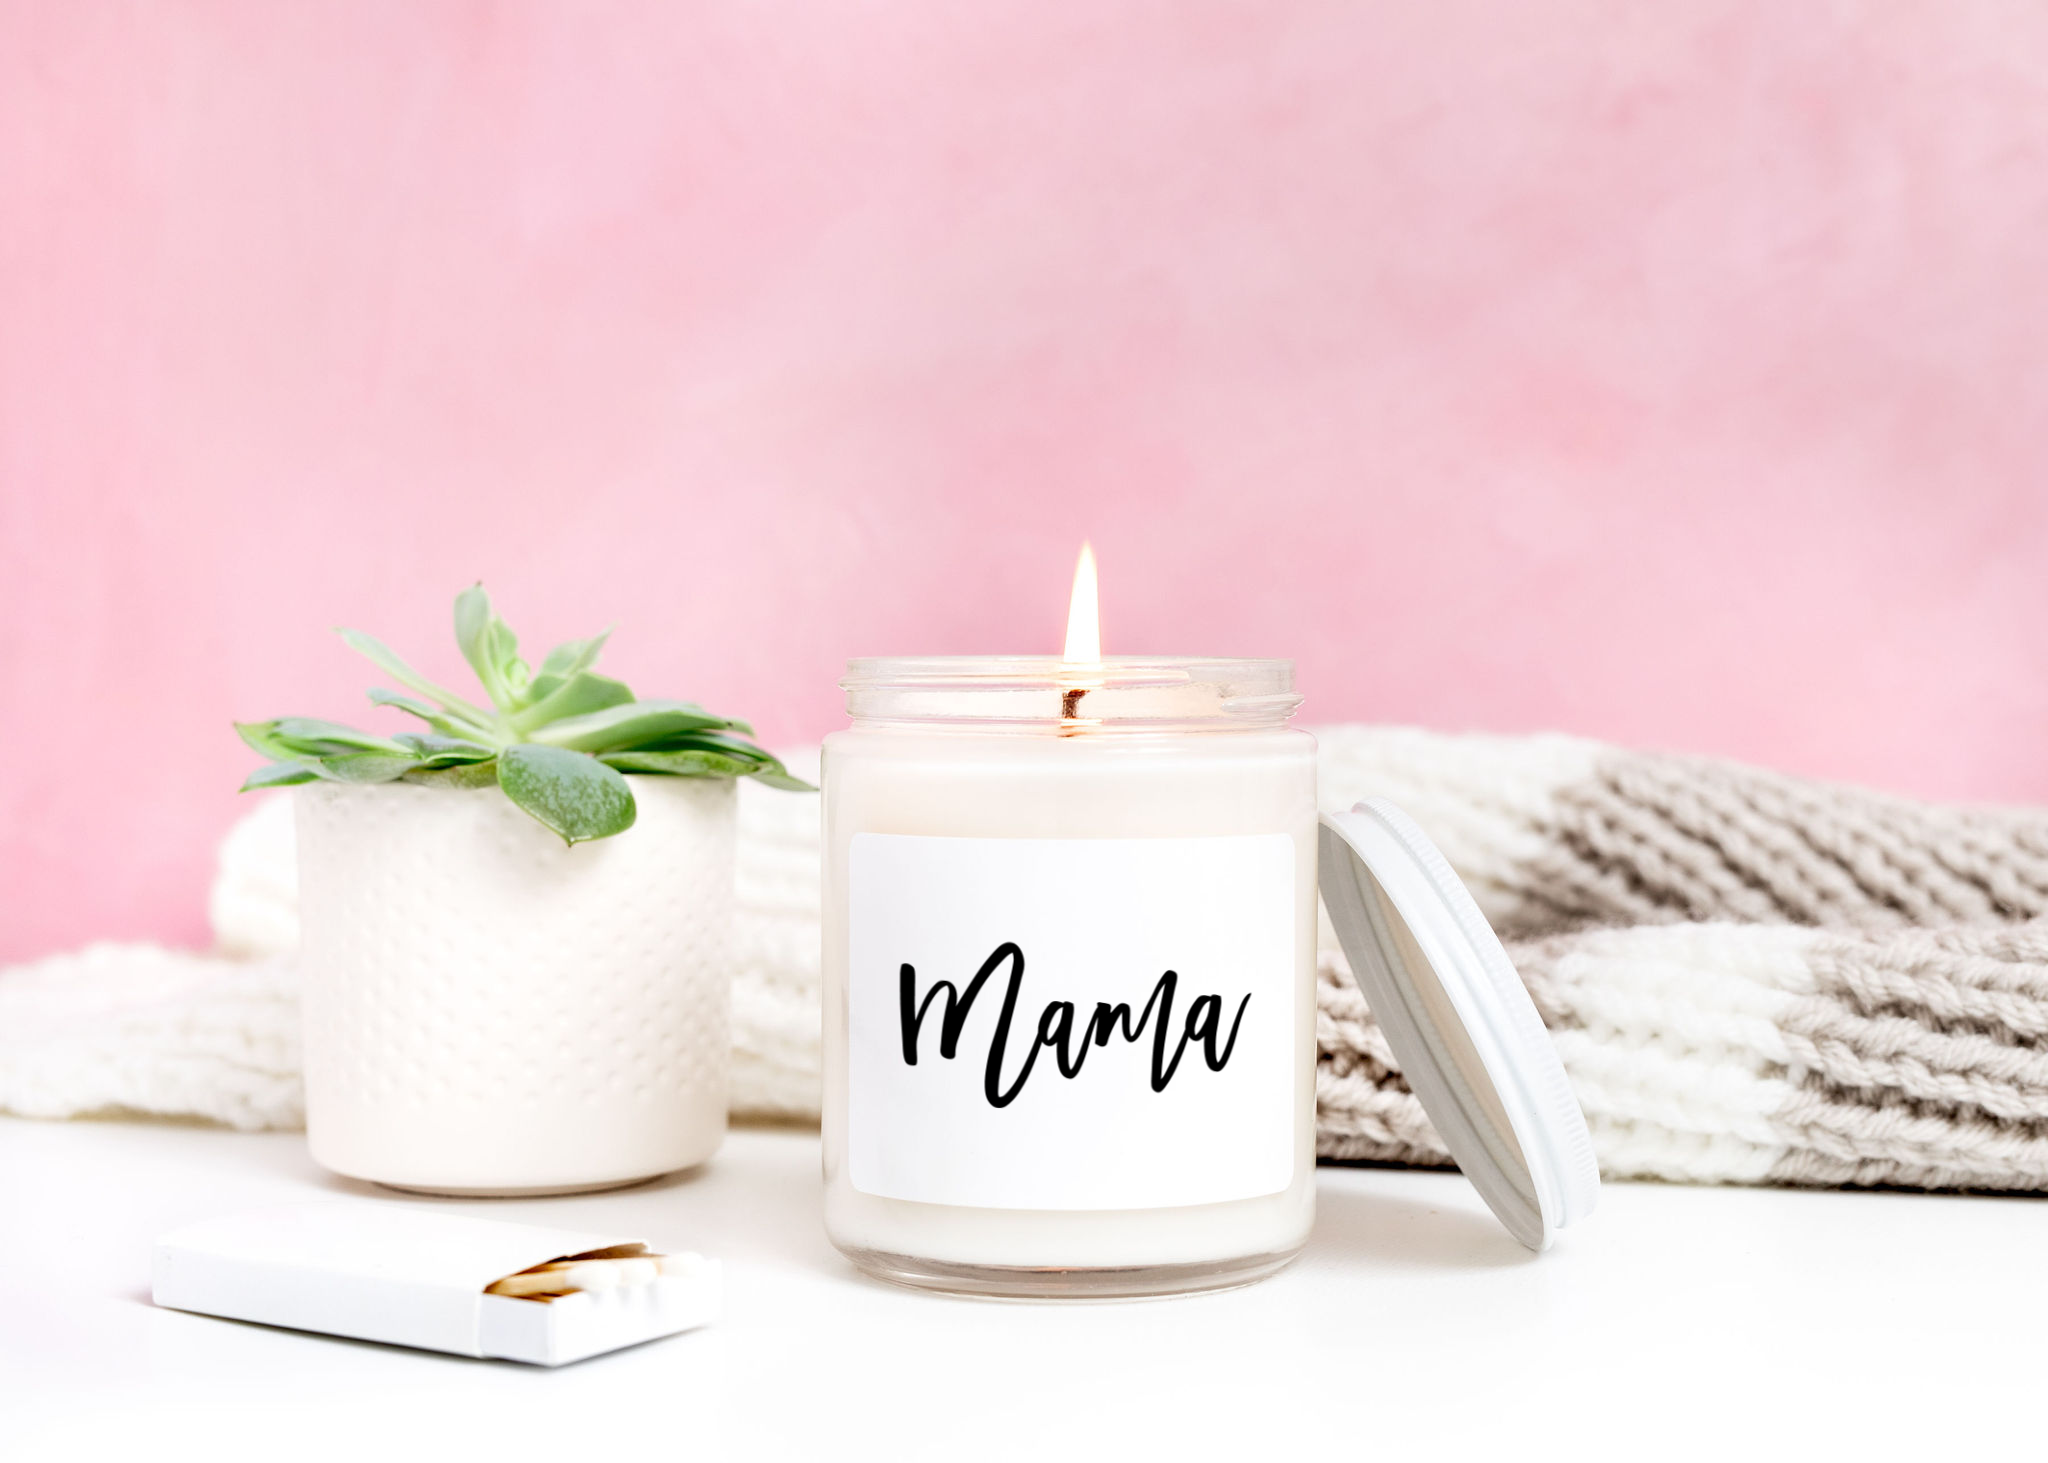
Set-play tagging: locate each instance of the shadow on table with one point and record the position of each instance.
(1381, 1230)
(364, 1189)
(764, 1214)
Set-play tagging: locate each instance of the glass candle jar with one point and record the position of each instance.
(1069, 974)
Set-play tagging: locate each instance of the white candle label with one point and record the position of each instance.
(1071, 1023)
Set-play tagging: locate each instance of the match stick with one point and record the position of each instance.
(562, 1277)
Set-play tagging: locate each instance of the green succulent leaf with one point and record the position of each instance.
(298, 738)
(712, 756)
(708, 741)
(363, 767)
(456, 775)
(638, 724)
(261, 736)
(405, 675)
(444, 751)
(472, 619)
(781, 777)
(442, 722)
(565, 660)
(491, 649)
(279, 774)
(574, 794)
(331, 735)
(581, 694)
(764, 767)
(680, 764)
(381, 697)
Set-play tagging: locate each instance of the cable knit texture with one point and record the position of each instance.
(1750, 977)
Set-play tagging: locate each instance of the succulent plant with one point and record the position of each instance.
(559, 740)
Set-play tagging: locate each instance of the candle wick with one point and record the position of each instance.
(1070, 708)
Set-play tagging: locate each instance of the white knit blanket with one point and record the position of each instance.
(1750, 977)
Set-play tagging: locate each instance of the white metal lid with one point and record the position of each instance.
(1459, 1020)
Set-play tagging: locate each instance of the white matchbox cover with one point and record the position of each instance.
(411, 1276)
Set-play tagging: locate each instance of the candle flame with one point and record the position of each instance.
(1084, 618)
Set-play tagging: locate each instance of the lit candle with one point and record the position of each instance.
(1084, 615)
(1069, 938)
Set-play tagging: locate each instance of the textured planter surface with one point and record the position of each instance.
(489, 1010)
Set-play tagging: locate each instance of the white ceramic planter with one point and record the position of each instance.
(489, 1012)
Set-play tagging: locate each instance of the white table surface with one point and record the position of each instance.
(1675, 1322)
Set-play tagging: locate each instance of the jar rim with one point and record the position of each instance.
(1125, 691)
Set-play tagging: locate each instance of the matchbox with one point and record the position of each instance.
(411, 1276)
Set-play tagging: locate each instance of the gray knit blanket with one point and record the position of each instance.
(1750, 977)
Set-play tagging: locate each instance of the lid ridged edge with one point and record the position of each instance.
(1490, 1000)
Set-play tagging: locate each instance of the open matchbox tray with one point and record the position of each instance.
(412, 1276)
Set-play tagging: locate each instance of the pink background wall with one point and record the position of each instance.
(1672, 373)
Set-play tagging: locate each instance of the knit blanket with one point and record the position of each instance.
(1750, 977)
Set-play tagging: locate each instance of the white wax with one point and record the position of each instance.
(1098, 784)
